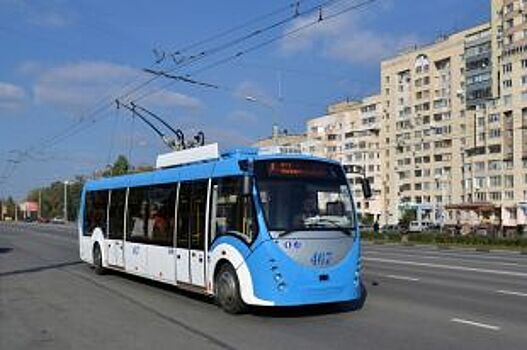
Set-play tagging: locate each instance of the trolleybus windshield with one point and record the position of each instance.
(301, 195)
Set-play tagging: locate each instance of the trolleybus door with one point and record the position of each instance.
(115, 241)
(190, 236)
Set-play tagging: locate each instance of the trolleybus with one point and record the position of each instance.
(246, 227)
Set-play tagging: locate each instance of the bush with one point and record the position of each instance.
(446, 239)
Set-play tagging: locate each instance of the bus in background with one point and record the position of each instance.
(245, 227)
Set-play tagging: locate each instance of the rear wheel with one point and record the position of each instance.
(97, 260)
(227, 290)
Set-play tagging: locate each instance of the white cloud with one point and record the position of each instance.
(50, 19)
(227, 137)
(347, 39)
(11, 96)
(165, 98)
(242, 117)
(75, 87)
(29, 68)
(45, 14)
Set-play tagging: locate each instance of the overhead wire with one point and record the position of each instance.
(93, 117)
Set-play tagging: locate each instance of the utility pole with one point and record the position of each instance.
(65, 201)
(39, 203)
(16, 211)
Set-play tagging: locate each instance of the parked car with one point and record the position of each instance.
(390, 228)
(57, 220)
(43, 220)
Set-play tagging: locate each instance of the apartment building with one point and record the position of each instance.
(448, 132)
(424, 94)
(282, 138)
(349, 133)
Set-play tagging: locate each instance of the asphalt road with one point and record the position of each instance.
(418, 298)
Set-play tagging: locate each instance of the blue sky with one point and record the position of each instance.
(60, 59)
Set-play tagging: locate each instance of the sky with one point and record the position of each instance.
(63, 63)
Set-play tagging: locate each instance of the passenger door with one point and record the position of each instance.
(190, 239)
(116, 228)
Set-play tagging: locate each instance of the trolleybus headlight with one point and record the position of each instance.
(278, 277)
(282, 286)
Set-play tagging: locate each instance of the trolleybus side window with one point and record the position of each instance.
(183, 222)
(95, 212)
(116, 220)
(197, 215)
(234, 212)
(137, 214)
(191, 215)
(162, 199)
(151, 214)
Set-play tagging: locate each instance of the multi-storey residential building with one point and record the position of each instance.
(449, 126)
(349, 133)
(282, 138)
(423, 94)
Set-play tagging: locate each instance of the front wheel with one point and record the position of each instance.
(97, 260)
(227, 290)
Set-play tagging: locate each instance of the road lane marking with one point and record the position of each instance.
(510, 292)
(447, 267)
(403, 278)
(475, 324)
(436, 255)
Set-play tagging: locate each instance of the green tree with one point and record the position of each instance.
(409, 215)
(121, 166)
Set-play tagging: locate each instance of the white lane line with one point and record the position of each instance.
(511, 292)
(475, 324)
(402, 278)
(434, 254)
(447, 267)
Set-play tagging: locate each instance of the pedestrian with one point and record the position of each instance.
(376, 229)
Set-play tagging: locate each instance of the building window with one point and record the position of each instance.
(509, 181)
(495, 181)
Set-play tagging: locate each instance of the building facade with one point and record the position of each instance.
(447, 135)
(349, 133)
(282, 138)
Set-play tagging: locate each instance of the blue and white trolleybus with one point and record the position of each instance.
(247, 227)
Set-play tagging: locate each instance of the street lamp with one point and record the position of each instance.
(66, 183)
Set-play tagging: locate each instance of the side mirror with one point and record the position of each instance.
(366, 188)
(247, 185)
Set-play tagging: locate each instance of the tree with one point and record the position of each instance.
(409, 215)
(121, 166)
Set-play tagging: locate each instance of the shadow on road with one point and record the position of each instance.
(40, 268)
(311, 310)
(5, 250)
(277, 312)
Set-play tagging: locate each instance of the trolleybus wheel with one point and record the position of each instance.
(227, 290)
(97, 260)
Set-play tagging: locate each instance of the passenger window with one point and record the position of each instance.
(116, 222)
(162, 200)
(137, 217)
(95, 211)
(183, 221)
(234, 212)
(197, 216)
(191, 215)
(151, 214)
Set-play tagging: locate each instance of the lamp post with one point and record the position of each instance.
(66, 201)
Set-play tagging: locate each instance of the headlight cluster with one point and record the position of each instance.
(277, 276)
